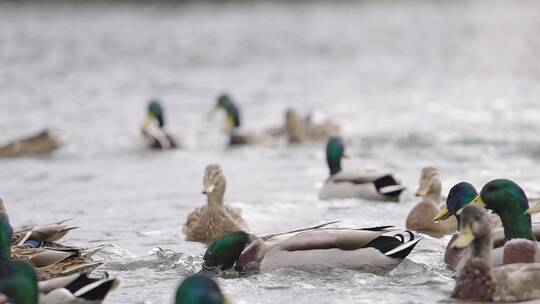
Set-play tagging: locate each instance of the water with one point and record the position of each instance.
(452, 84)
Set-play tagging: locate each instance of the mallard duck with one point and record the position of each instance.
(49, 262)
(509, 202)
(207, 223)
(199, 289)
(153, 129)
(305, 130)
(41, 143)
(420, 218)
(18, 284)
(377, 249)
(233, 123)
(478, 280)
(367, 185)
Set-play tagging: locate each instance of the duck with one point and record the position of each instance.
(199, 289)
(209, 222)
(153, 129)
(306, 130)
(375, 250)
(36, 247)
(420, 218)
(478, 280)
(508, 200)
(19, 284)
(461, 195)
(237, 136)
(371, 185)
(40, 143)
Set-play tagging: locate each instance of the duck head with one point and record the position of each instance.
(199, 289)
(460, 195)
(18, 281)
(223, 253)
(509, 202)
(224, 102)
(214, 183)
(335, 150)
(154, 115)
(430, 184)
(6, 234)
(474, 228)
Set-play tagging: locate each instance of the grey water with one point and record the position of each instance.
(451, 84)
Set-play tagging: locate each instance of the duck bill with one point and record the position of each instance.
(208, 189)
(465, 238)
(478, 201)
(444, 214)
(534, 209)
(227, 301)
(422, 191)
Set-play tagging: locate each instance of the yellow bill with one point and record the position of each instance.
(465, 238)
(444, 214)
(534, 209)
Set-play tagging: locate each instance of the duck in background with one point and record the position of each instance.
(420, 218)
(199, 289)
(237, 136)
(376, 249)
(371, 185)
(18, 280)
(477, 280)
(308, 130)
(153, 129)
(208, 223)
(41, 143)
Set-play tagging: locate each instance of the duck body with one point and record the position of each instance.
(478, 280)
(207, 223)
(420, 218)
(39, 144)
(377, 250)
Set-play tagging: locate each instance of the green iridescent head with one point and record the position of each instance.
(233, 113)
(18, 282)
(335, 148)
(509, 202)
(156, 111)
(6, 234)
(225, 251)
(460, 196)
(199, 289)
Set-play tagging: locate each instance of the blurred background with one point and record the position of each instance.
(450, 84)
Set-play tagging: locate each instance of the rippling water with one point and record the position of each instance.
(453, 84)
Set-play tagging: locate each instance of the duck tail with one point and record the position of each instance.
(388, 185)
(92, 289)
(403, 250)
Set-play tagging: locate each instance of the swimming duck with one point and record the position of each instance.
(41, 143)
(420, 218)
(478, 280)
(233, 123)
(305, 130)
(49, 261)
(18, 284)
(366, 185)
(199, 289)
(208, 223)
(153, 129)
(377, 249)
(508, 200)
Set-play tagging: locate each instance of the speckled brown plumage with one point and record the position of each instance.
(475, 282)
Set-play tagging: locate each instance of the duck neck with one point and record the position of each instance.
(434, 192)
(215, 198)
(516, 224)
(334, 164)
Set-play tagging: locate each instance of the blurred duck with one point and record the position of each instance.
(35, 246)
(461, 195)
(18, 285)
(233, 123)
(377, 249)
(153, 129)
(306, 130)
(420, 218)
(357, 184)
(477, 280)
(199, 289)
(208, 223)
(39, 144)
